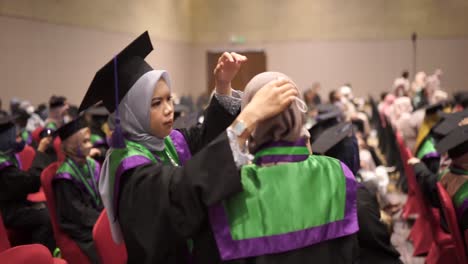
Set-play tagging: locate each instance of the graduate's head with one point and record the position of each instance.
(162, 110)
(76, 139)
(286, 126)
(138, 94)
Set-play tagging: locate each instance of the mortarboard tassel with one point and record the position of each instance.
(117, 136)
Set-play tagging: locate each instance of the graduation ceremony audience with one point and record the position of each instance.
(262, 172)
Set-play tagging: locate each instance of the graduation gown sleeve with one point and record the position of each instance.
(216, 120)
(16, 184)
(160, 206)
(75, 211)
(427, 181)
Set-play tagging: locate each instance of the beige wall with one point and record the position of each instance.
(166, 19)
(51, 46)
(292, 20)
(371, 66)
(40, 59)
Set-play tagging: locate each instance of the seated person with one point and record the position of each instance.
(15, 184)
(268, 222)
(455, 179)
(75, 187)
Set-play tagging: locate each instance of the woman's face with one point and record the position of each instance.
(85, 141)
(162, 110)
(79, 144)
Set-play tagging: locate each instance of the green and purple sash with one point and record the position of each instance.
(427, 149)
(86, 177)
(7, 161)
(301, 201)
(134, 155)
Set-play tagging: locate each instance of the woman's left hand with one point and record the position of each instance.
(228, 65)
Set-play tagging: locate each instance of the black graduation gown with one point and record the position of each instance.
(77, 215)
(373, 236)
(427, 181)
(19, 213)
(161, 206)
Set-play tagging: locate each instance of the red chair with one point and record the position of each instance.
(26, 157)
(69, 249)
(411, 205)
(420, 234)
(451, 217)
(109, 252)
(34, 253)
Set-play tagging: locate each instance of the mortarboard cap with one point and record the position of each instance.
(129, 65)
(437, 107)
(70, 128)
(455, 143)
(331, 137)
(328, 115)
(449, 122)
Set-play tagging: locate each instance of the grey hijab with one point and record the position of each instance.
(135, 114)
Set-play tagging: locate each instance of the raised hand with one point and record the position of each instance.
(228, 66)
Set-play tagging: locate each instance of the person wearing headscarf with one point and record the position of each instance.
(255, 225)
(15, 184)
(157, 182)
(75, 186)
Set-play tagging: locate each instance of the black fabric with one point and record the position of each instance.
(373, 236)
(17, 211)
(427, 181)
(76, 215)
(130, 66)
(340, 250)
(161, 206)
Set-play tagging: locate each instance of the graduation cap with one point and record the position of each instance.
(6, 122)
(331, 137)
(328, 115)
(437, 107)
(112, 82)
(70, 128)
(57, 101)
(449, 123)
(455, 143)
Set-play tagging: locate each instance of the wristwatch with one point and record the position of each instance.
(240, 128)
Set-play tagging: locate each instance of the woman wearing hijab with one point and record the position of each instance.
(75, 186)
(294, 208)
(155, 192)
(16, 184)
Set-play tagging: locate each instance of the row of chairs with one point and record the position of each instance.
(109, 252)
(427, 235)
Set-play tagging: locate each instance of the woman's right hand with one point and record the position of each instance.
(272, 99)
(269, 101)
